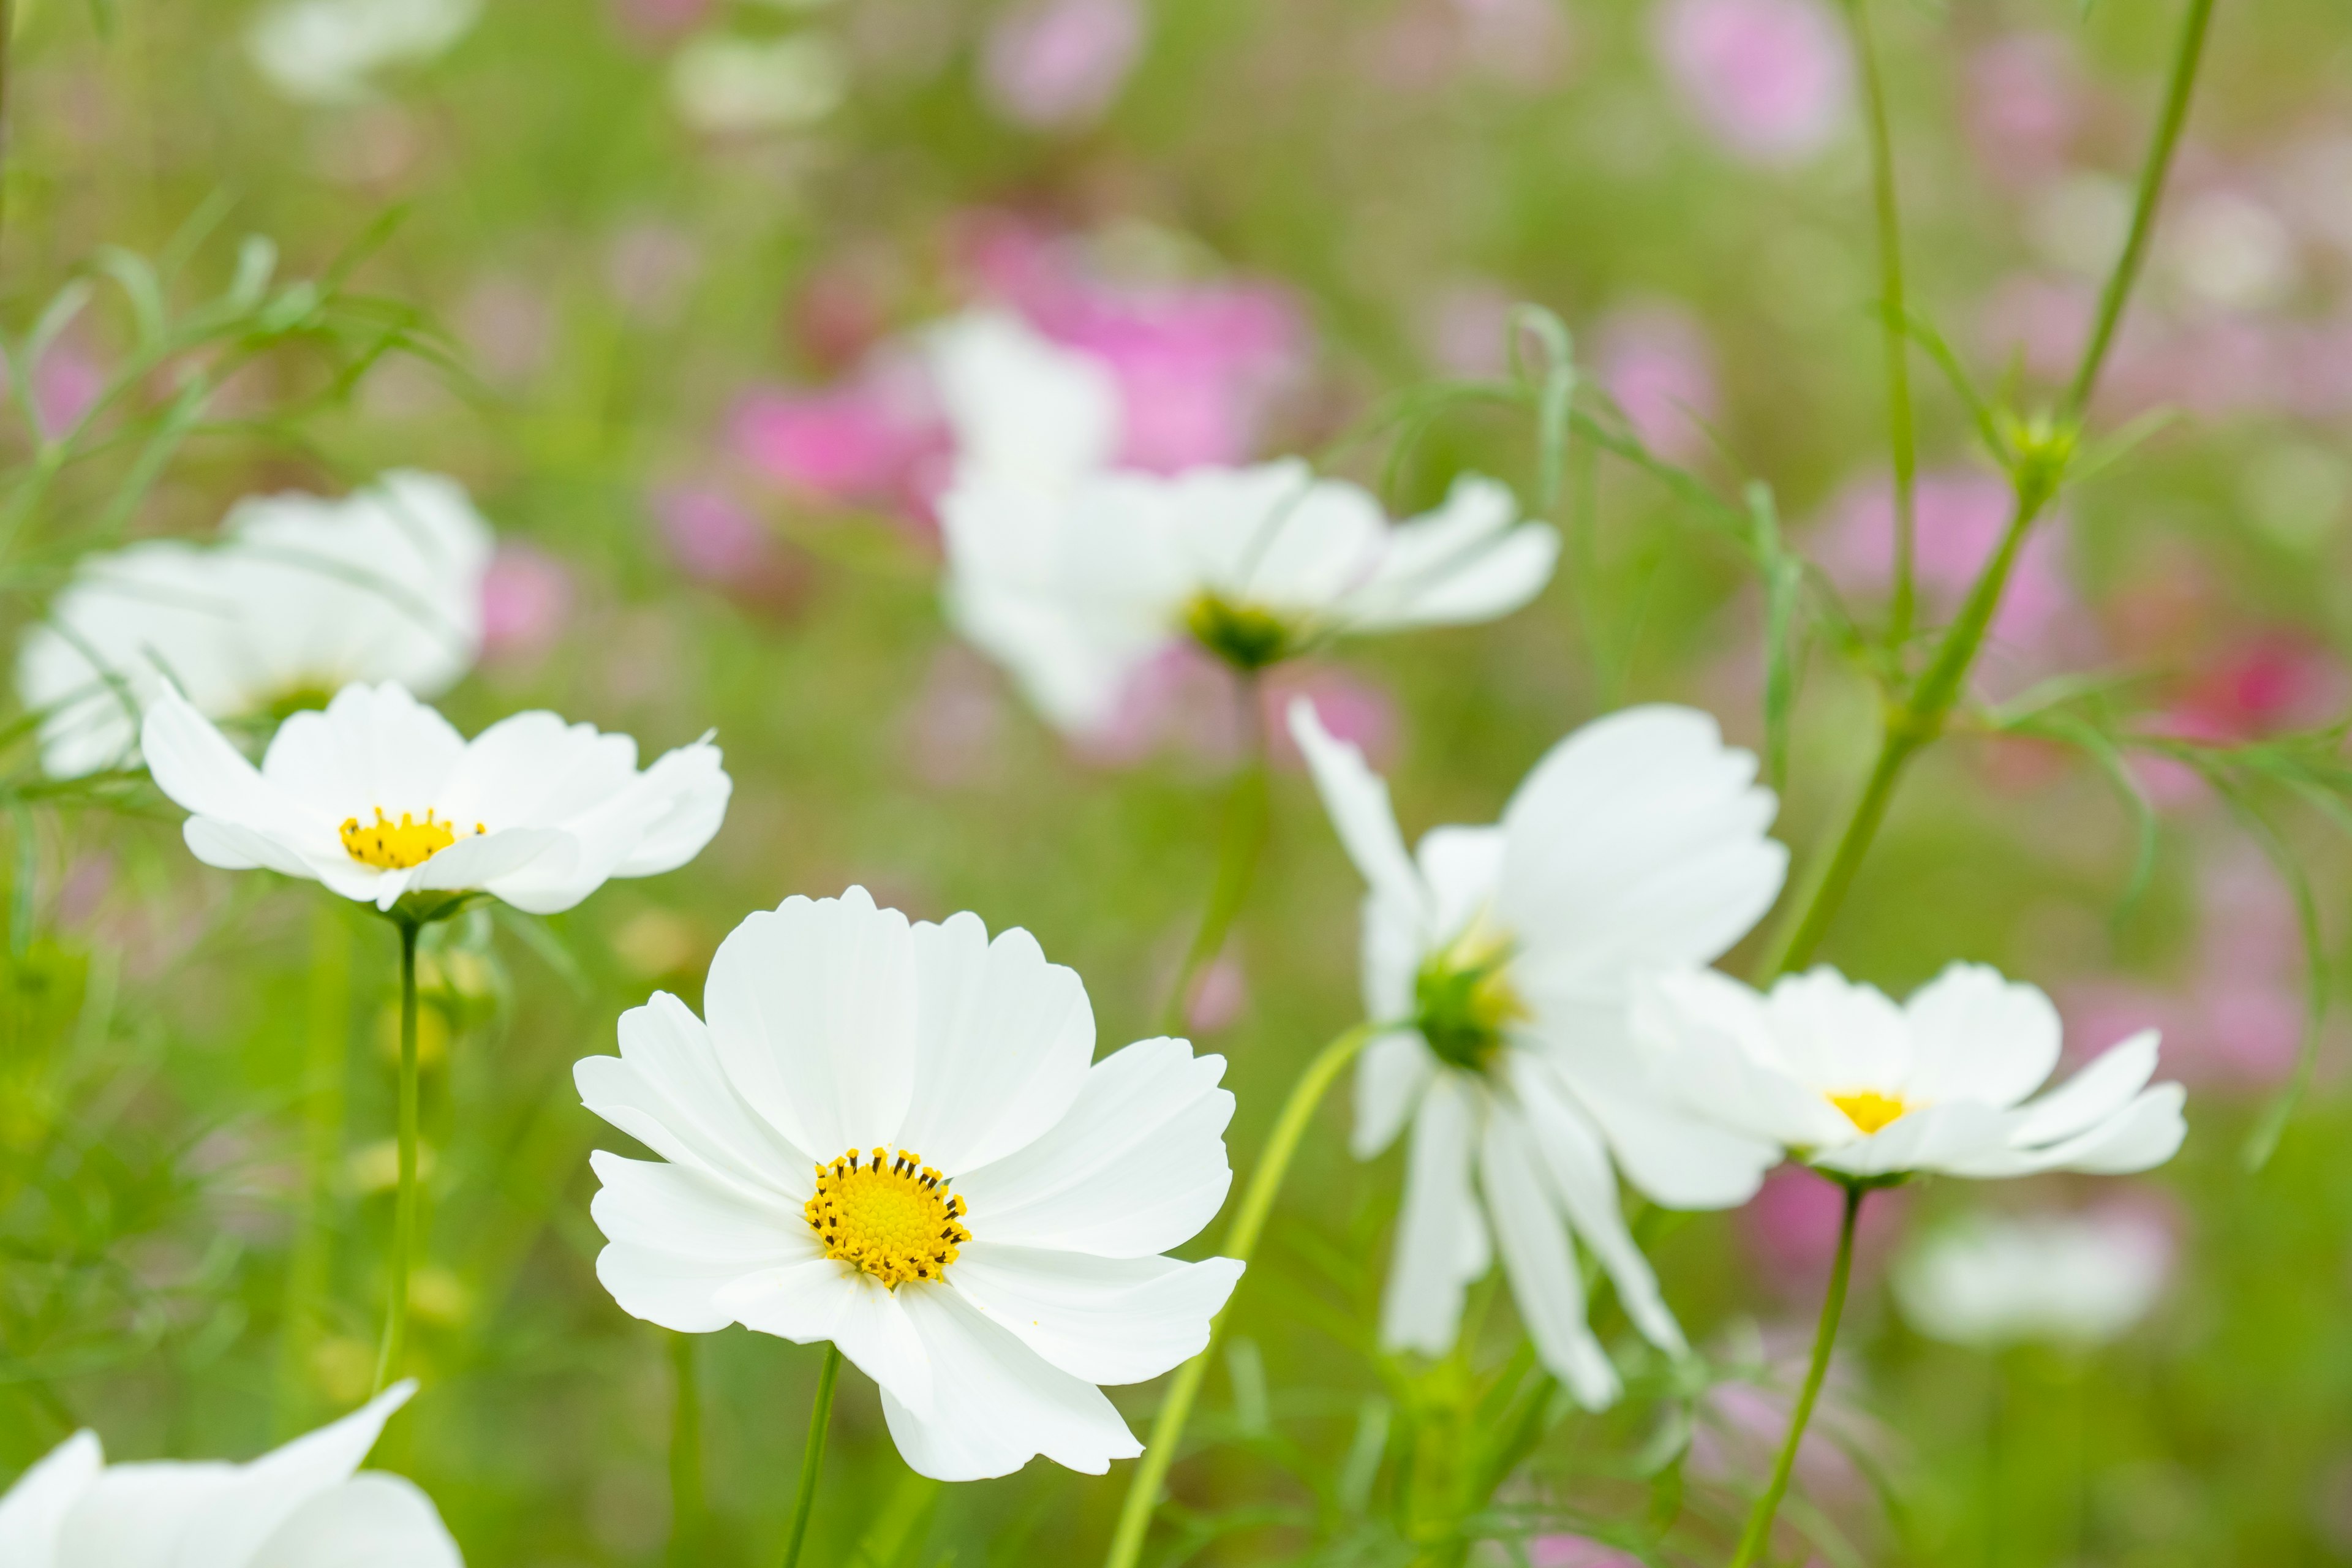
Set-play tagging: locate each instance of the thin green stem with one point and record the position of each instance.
(1759, 1522)
(404, 1212)
(1242, 842)
(686, 1488)
(327, 1030)
(1241, 1241)
(1893, 311)
(813, 1454)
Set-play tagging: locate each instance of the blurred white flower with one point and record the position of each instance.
(2232, 251)
(722, 85)
(1027, 416)
(989, 1282)
(304, 597)
(306, 1505)
(1075, 576)
(1503, 959)
(379, 796)
(1852, 1084)
(2069, 1280)
(327, 51)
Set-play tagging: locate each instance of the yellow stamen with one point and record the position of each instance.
(1869, 1110)
(895, 1220)
(397, 845)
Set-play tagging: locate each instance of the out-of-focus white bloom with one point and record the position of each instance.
(304, 597)
(1852, 1084)
(1502, 960)
(379, 796)
(988, 1283)
(722, 85)
(1028, 416)
(2069, 1280)
(306, 1505)
(328, 51)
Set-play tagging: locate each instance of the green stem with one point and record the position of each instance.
(1241, 1241)
(813, 1454)
(1243, 841)
(1892, 314)
(1759, 1522)
(686, 1491)
(328, 1029)
(403, 1214)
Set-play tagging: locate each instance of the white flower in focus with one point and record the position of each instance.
(327, 51)
(1074, 588)
(378, 797)
(306, 1505)
(2069, 1280)
(1851, 1084)
(1504, 959)
(725, 86)
(888, 1136)
(304, 597)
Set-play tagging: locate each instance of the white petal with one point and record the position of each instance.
(812, 1010)
(681, 1237)
(1463, 868)
(1358, 801)
(1003, 1040)
(1105, 1320)
(1974, 1036)
(195, 765)
(1441, 1239)
(2094, 1094)
(668, 1090)
(996, 1403)
(1390, 1077)
(1538, 1262)
(234, 846)
(373, 746)
(824, 1299)
(2138, 1136)
(373, 1521)
(1941, 1138)
(1705, 1039)
(480, 860)
(1836, 1035)
(137, 1516)
(228, 1527)
(1137, 1165)
(34, 1508)
(1462, 562)
(1025, 409)
(698, 790)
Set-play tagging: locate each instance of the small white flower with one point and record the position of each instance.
(304, 597)
(888, 1136)
(1852, 1084)
(721, 85)
(306, 1505)
(2069, 1280)
(1507, 957)
(326, 51)
(379, 796)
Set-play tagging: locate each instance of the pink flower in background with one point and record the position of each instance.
(1773, 79)
(66, 385)
(2274, 680)
(526, 599)
(1741, 1424)
(2025, 106)
(717, 542)
(1523, 43)
(1576, 1552)
(1656, 363)
(659, 18)
(1464, 327)
(1053, 63)
(1219, 994)
(1182, 700)
(876, 440)
(1352, 710)
(1791, 1227)
(2041, 322)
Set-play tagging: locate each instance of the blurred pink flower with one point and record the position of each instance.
(1791, 1227)
(1576, 1552)
(841, 311)
(1051, 63)
(659, 18)
(1523, 43)
(2042, 321)
(1183, 699)
(1741, 1424)
(66, 385)
(2025, 106)
(1464, 327)
(1773, 79)
(1352, 708)
(877, 440)
(1219, 994)
(526, 599)
(2270, 681)
(718, 543)
(1655, 362)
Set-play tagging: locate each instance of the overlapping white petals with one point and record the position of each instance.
(305, 1505)
(1947, 1075)
(563, 807)
(302, 596)
(836, 1024)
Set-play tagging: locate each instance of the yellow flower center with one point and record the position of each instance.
(397, 845)
(1869, 1110)
(897, 1222)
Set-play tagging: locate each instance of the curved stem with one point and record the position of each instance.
(686, 1491)
(1893, 312)
(1242, 841)
(813, 1454)
(403, 1214)
(1240, 1240)
(1759, 1522)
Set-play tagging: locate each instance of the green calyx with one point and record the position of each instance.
(1462, 1001)
(1243, 636)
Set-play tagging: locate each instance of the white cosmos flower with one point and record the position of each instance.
(306, 1505)
(2069, 1280)
(1027, 413)
(302, 596)
(1073, 575)
(888, 1136)
(329, 51)
(379, 796)
(1851, 1083)
(1505, 957)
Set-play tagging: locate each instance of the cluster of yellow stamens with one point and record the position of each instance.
(397, 845)
(1869, 1110)
(896, 1221)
